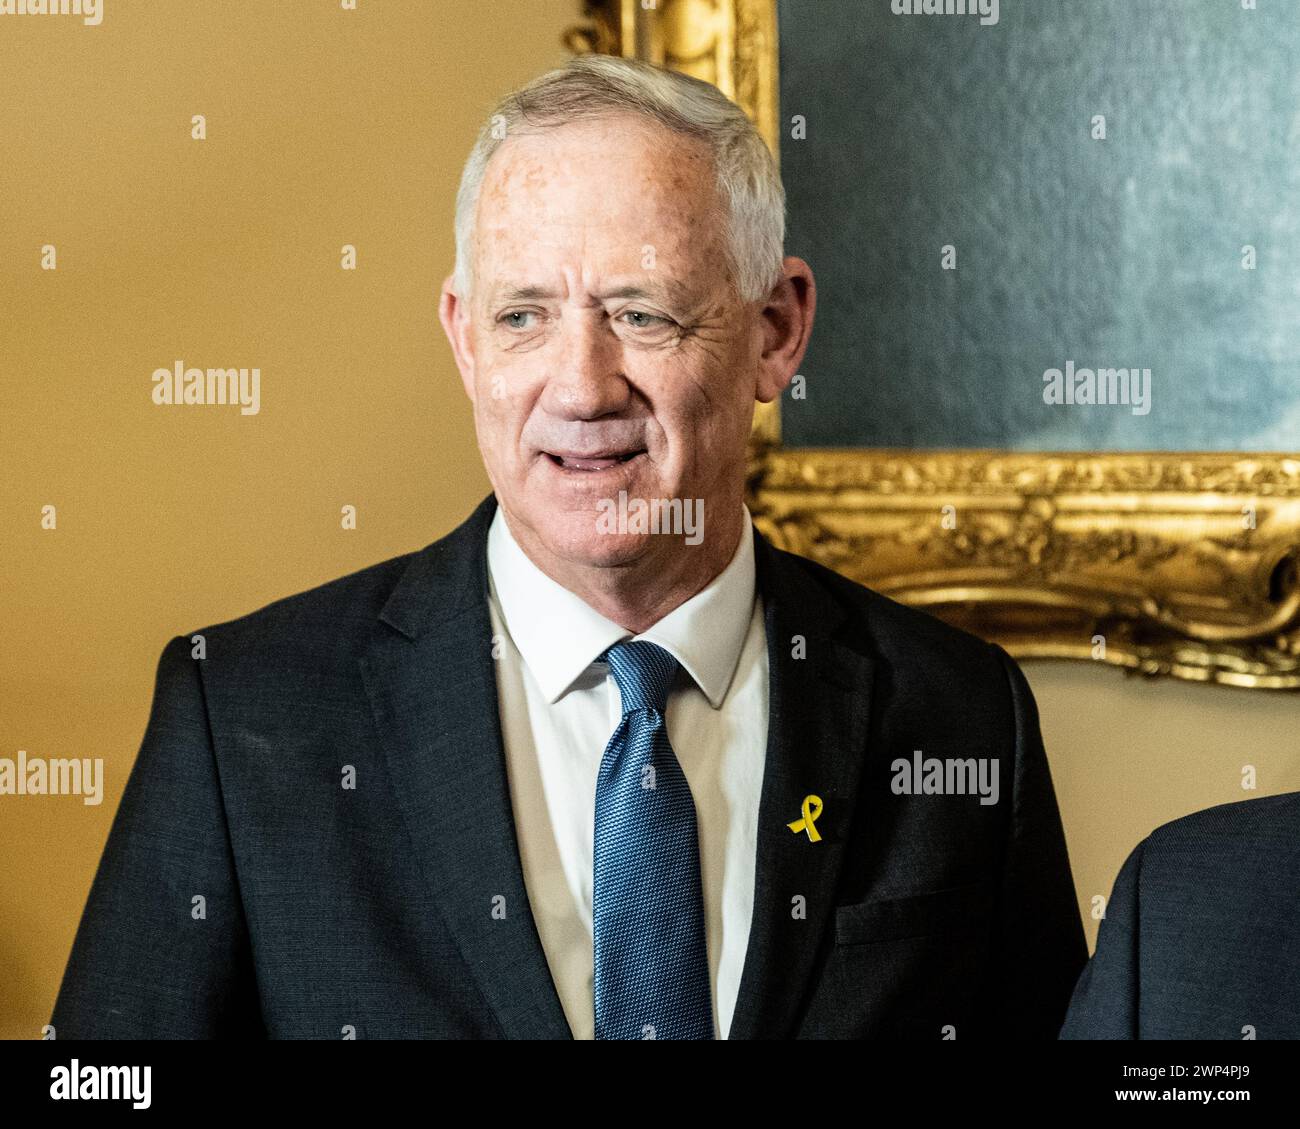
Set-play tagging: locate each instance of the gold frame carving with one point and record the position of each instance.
(1163, 563)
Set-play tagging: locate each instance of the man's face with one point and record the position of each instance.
(604, 346)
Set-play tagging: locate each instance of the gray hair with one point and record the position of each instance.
(589, 86)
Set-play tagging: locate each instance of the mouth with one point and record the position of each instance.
(593, 462)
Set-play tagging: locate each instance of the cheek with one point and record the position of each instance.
(503, 393)
(710, 406)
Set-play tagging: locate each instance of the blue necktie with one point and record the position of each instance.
(651, 962)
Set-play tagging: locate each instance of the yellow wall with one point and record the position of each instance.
(325, 127)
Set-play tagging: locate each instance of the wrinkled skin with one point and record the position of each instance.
(604, 322)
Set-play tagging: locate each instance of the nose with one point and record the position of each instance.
(588, 380)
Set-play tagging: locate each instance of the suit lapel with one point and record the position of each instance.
(432, 690)
(818, 716)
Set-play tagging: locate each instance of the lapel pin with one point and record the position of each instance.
(812, 810)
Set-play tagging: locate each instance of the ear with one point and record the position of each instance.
(454, 313)
(787, 325)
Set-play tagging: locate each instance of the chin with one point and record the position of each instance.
(574, 538)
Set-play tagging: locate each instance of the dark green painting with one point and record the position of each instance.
(1059, 225)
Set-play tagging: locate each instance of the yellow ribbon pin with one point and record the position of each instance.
(812, 810)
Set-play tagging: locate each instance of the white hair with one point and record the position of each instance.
(590, 86)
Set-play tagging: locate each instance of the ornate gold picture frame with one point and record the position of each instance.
(1171, 563)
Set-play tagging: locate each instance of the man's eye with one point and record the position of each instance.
(647, 320)
(510, 322)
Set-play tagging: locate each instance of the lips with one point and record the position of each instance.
(589, 462)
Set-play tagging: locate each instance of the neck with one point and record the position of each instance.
(638, 594)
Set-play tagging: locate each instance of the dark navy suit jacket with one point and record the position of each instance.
(370, 909)
(1201, 938)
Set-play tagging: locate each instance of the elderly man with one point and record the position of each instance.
(602, 762)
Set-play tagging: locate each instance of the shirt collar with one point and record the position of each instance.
(559, 636)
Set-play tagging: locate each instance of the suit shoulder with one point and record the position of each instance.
(902, 634)
(1262, 823)
(341, 606)
(1214, 862)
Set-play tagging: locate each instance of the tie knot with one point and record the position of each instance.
(643, 672)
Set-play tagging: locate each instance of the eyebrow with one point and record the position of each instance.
(670, 290)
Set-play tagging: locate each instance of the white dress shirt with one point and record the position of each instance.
(559, 708)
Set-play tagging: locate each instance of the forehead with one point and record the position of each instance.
(594, 195)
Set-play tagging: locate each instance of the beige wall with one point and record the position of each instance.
(325, 127)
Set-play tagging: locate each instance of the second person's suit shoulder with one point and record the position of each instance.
(1263, 823)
